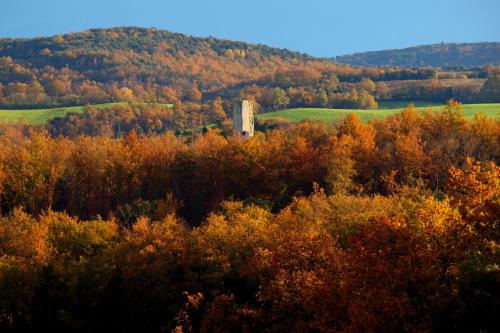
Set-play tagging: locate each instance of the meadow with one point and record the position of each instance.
(385, 109)
(42, 116)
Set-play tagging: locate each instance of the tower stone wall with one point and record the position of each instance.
(243, 119)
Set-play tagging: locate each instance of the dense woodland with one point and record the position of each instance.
(149, 65)
(150, 216)
(435, 55)
(390, 226)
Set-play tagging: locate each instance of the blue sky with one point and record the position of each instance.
(318, 27)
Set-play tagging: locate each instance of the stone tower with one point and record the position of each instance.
(243, 118)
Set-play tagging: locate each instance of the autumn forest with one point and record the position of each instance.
(150, 215)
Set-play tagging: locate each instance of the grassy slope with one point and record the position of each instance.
(41, 116)
(330, 115)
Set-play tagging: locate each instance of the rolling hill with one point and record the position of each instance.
(148, 65)
(435, 55)
(157, 65)
(127, 55)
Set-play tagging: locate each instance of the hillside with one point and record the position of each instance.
(129, 64)
(435, 55)
(135, 39)
(97, 65)
(132, 55)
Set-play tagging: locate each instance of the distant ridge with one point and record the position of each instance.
(129, 56)
(135, 39)
(434, 55)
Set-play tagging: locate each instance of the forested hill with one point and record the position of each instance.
(149, 65)
(134, 39)
(435, 55)
(129, 64)
(130, 55)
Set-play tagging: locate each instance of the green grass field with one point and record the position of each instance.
(41, 116)
(387, 109)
